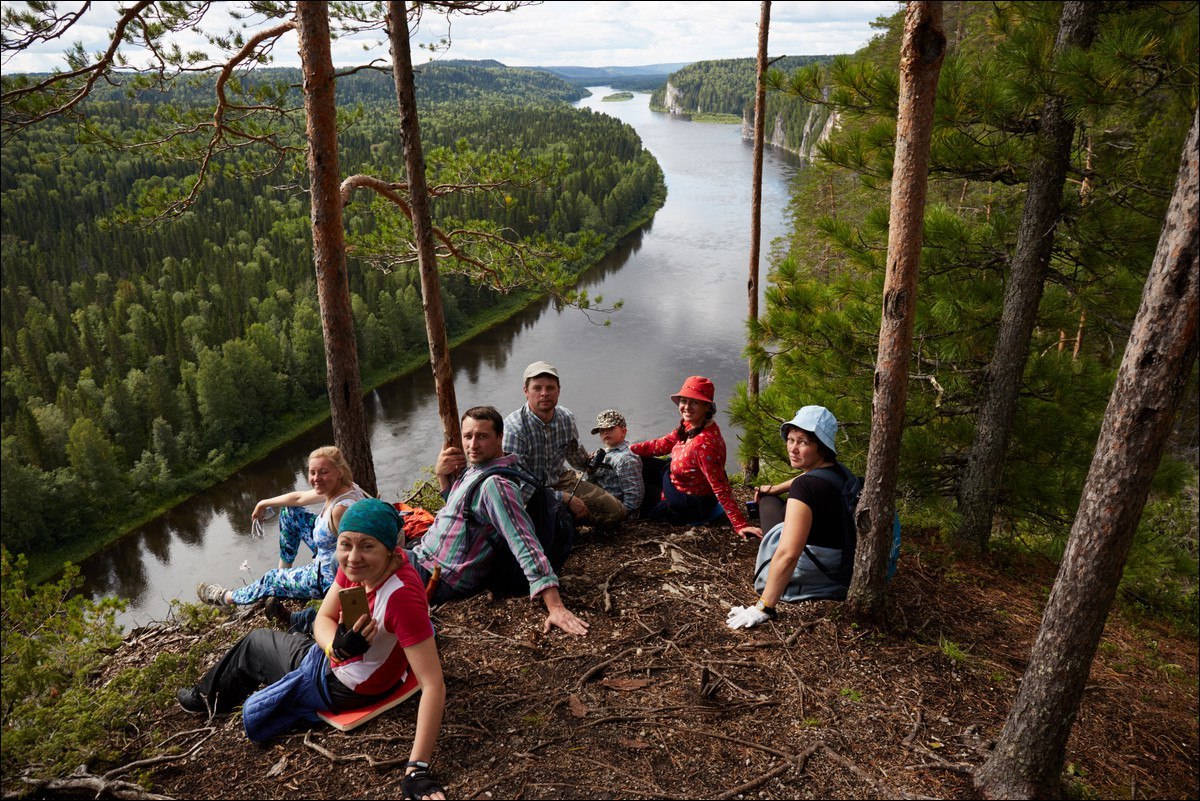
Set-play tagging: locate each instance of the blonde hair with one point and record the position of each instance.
(334, 455)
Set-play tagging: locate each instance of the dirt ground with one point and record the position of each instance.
(661, 700)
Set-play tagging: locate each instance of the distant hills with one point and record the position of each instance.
(645, 78)
(600, 73)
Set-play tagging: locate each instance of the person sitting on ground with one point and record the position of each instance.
(812, 516)
(620, 474)
(544, 438)
(688, 487)
(345, 664)
(463, 548)
(332, 482)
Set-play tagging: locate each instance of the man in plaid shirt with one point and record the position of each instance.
(544, 438)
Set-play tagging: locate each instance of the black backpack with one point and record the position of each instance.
(552, 523)
(851, 486)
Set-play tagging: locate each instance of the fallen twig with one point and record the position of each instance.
(912, 735)
(368, 758)
(800, 629)
(882, 789)
(159, 760)
(798, 763)
(597, 669)
(81, 780)
(962, 770)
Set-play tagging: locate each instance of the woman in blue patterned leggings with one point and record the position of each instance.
(332, 482)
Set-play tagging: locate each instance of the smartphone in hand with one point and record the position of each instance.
(354, 604)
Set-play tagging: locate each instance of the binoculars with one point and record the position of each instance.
(596, 460)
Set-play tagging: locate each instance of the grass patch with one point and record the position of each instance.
(952, 650)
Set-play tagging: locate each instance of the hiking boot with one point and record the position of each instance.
(277, 613)
(191, 700)
(212, 594)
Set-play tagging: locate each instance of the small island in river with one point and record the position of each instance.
(619, 96)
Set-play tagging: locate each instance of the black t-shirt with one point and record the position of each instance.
(825, 501)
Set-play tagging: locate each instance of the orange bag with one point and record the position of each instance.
(416, 520)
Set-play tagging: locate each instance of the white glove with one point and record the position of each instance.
(746, 617)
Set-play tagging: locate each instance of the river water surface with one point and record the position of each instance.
(683, 282)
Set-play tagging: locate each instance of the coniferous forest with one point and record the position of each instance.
(149, 347)
(1134, 92)
(141, 361)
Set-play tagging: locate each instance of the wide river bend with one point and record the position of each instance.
(682, 279)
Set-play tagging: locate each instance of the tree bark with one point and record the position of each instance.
(1027, 761)
(980, 484)
(750, 468)
(329, 245)
(414, 160)
(921, 54)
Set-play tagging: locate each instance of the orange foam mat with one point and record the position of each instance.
(353, 718)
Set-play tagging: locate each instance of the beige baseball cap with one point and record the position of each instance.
(540, 368)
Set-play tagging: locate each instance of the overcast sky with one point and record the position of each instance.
(560, 33)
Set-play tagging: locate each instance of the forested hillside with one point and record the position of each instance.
(141, 361)
(1135, 95)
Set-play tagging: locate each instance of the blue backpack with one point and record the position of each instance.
(825, 573)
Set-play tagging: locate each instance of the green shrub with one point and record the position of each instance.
(58, 713)
(1161, 573)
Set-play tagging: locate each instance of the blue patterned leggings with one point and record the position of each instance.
(304, 582)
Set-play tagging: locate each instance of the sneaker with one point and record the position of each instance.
(212, 594)
(277, 613)
(191, 700)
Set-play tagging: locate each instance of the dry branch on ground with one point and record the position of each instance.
(662, 700)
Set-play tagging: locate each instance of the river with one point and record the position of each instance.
(683, 282)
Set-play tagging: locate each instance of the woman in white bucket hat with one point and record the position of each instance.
(810, 517)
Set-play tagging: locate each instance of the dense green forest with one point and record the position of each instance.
(142, 361)
(726, 87)
(1135, 94)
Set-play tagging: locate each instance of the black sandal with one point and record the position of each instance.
(419, 784)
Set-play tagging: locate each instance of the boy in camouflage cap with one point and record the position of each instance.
(621, 473)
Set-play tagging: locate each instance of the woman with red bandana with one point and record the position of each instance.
(691, 486)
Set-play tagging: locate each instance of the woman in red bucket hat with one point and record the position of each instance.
(691, 486)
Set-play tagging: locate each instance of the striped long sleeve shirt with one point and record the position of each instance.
(464, 550)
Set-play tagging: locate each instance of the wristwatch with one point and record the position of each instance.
(769, 611)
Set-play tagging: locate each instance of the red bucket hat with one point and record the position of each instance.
(696, 387)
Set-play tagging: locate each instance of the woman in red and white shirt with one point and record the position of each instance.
(690, 485)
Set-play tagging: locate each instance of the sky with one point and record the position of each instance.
(598, 33)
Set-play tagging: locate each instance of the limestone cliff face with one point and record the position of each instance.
(819, 124)
(672, 101)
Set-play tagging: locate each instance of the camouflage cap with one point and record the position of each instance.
(609, 418)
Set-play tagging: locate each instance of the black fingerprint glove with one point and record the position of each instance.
(348, 643)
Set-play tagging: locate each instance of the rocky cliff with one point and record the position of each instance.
(818, 123)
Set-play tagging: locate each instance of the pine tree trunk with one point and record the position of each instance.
(980, 482)
(414, 160)
(750, 468)
(1028, 758)
(329, 245)
(921, 53)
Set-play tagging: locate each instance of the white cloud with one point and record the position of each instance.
(560, 33)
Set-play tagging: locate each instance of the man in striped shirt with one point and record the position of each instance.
(464, 550)
(544, 438)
